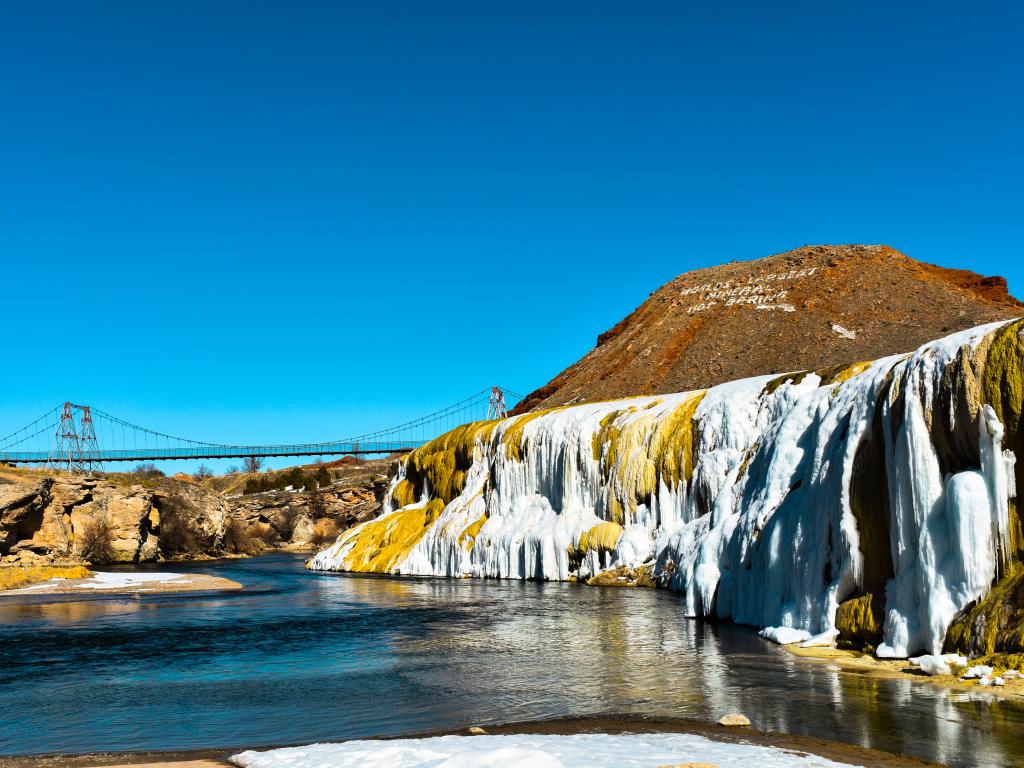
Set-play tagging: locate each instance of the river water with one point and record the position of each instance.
(298, 657)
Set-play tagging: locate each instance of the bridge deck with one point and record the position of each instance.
(223, 452)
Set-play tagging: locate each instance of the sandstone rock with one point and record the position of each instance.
(41, 515)
(734, 719)
(302, 532)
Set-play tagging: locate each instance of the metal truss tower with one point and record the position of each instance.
(496, 409)
(75, 448)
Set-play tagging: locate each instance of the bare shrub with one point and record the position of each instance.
(240, 540)
(95, 541)
(203, 473)
(148, 471)
(252, 464)
(317, 503)
(324, 532)
(175, 536)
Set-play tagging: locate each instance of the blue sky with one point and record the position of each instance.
(251, 222)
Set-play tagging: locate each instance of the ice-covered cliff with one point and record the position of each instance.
(877, 500)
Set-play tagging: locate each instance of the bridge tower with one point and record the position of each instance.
(75, 448)
(496, 409)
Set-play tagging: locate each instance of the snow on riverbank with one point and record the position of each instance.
(124, 582)
(101, 580)
(587, 750)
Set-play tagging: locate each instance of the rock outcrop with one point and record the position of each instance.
(44, 517)
(301, 518)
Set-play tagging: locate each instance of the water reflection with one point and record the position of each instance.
(299, 657)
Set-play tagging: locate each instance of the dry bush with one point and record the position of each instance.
(175, 535)
(325, 531)
(241, 540)
(252, 464)
(317, 503)
(148, 471)
(94, 541)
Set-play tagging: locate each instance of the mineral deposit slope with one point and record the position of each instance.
(876, 500)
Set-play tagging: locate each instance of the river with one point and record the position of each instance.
(298, 657)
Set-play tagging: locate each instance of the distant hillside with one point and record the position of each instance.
(809, 308)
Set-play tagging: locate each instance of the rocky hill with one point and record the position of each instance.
(807, 309)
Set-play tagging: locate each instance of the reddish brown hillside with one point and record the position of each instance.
(809, 308)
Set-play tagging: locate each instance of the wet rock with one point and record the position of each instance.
(734, 719)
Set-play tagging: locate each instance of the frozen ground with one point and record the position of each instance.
(129, 583)
(101, 580)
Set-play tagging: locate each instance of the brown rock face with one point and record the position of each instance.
(810, 308)
(42, 518)
(288, 518)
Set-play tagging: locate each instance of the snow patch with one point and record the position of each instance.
(591, 750)
(824, 639)
(978, 670)
(947, 664)
(104, 580)
(846, 333)
(785, 635)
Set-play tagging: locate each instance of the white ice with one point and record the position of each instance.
(764, 532)
(785, 635)
(591, 750)
(947, 664)
(977, 671)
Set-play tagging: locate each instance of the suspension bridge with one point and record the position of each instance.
(80, 438)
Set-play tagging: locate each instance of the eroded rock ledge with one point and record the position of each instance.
(44, 516)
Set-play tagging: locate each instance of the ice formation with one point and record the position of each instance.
(977, 671)
(808, 503)
(946, 664)
(590, 750)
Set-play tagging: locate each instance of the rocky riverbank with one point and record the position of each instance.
(57, 519)
(1011, 685)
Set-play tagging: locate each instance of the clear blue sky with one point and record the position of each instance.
(249, 222)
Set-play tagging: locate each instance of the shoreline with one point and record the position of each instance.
(218, 758)
(829, 658)
(865, 665)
